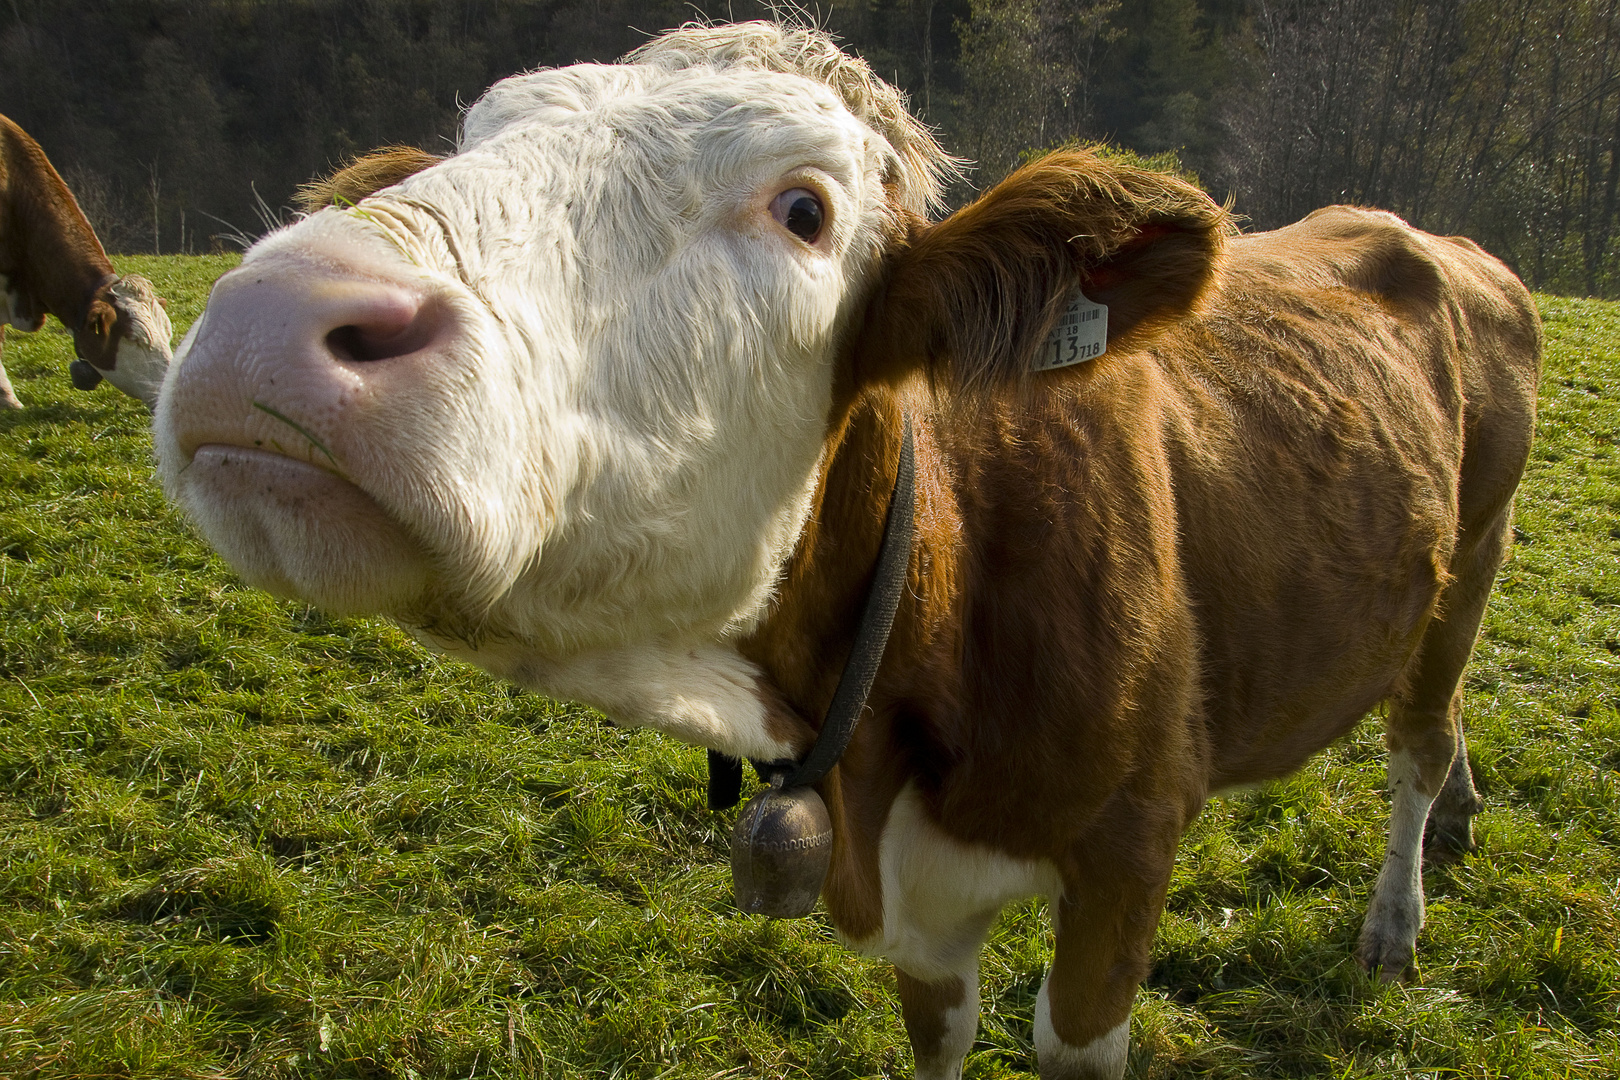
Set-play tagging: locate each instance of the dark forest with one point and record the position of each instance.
(184, 125)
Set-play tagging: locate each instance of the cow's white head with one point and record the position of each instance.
(126, 338)
(569, 386)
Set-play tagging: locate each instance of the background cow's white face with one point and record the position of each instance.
(568, 387)
(144, 348)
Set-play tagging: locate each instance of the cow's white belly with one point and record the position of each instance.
(941, 895)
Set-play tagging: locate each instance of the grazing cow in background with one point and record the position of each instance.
(611, 402)
(52, 264)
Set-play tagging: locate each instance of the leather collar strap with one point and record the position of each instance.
(860, 671)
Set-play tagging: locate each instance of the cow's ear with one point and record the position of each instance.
(972, 299)
(96, 340)
(363, 176)
(103, 317)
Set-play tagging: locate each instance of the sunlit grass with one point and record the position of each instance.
(241, 838)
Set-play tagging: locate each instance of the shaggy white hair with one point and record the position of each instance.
(921, 167)
(145, 352)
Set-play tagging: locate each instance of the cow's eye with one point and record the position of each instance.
(799, 210)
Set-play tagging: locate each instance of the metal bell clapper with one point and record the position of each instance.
(781, 848)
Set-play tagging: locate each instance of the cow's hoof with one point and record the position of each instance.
(1449, 833)
(1448, 842)
(1387, 960)
(9, 401)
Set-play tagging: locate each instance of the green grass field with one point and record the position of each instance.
(241, 838)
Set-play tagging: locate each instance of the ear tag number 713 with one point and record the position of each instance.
(1081, 334)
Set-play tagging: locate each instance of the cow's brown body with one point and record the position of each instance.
(1174, 570)
(51, 262)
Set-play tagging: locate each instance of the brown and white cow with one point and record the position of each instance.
(52, 264)
(610, 402)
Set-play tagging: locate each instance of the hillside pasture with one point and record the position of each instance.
(240, 838)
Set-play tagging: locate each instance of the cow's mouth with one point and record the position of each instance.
(296, 529)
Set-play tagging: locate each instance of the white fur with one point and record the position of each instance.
(961, 1025)
(606, 450)
(1103, 1058)
(698, 692)
(144, 350)
(8, 305)
(941, 895)
(1389, 934)
(10, 301)
(8, 399)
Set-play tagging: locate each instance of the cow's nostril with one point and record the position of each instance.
(385, 335)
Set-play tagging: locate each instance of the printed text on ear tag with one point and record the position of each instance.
(1081, 334)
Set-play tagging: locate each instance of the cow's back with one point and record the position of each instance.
(17, 166)
(1358, 399)
(49, 255)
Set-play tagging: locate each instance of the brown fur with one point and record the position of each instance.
(362, 177)
(50, 254)
(983, 287)
(924, 1005)
(1279, 499)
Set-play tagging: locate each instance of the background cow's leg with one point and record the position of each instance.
(1428, 755)
(942, 1019)
(8, 400)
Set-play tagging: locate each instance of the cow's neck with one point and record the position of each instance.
(805, 640)
(66, 274)
(58, 259)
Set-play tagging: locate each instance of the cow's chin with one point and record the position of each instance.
(301, 532)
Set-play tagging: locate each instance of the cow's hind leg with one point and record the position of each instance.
(1428, 759)
(1389, 934)
(1450, 831)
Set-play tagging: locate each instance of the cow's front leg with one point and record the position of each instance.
(1083, 1013)
(1104, 924)
(8, 399)
(940, 897)
(942, 1018)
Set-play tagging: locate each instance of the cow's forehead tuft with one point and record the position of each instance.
(553, 95)
(628, 132)
(598, 93)
(708, 69)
